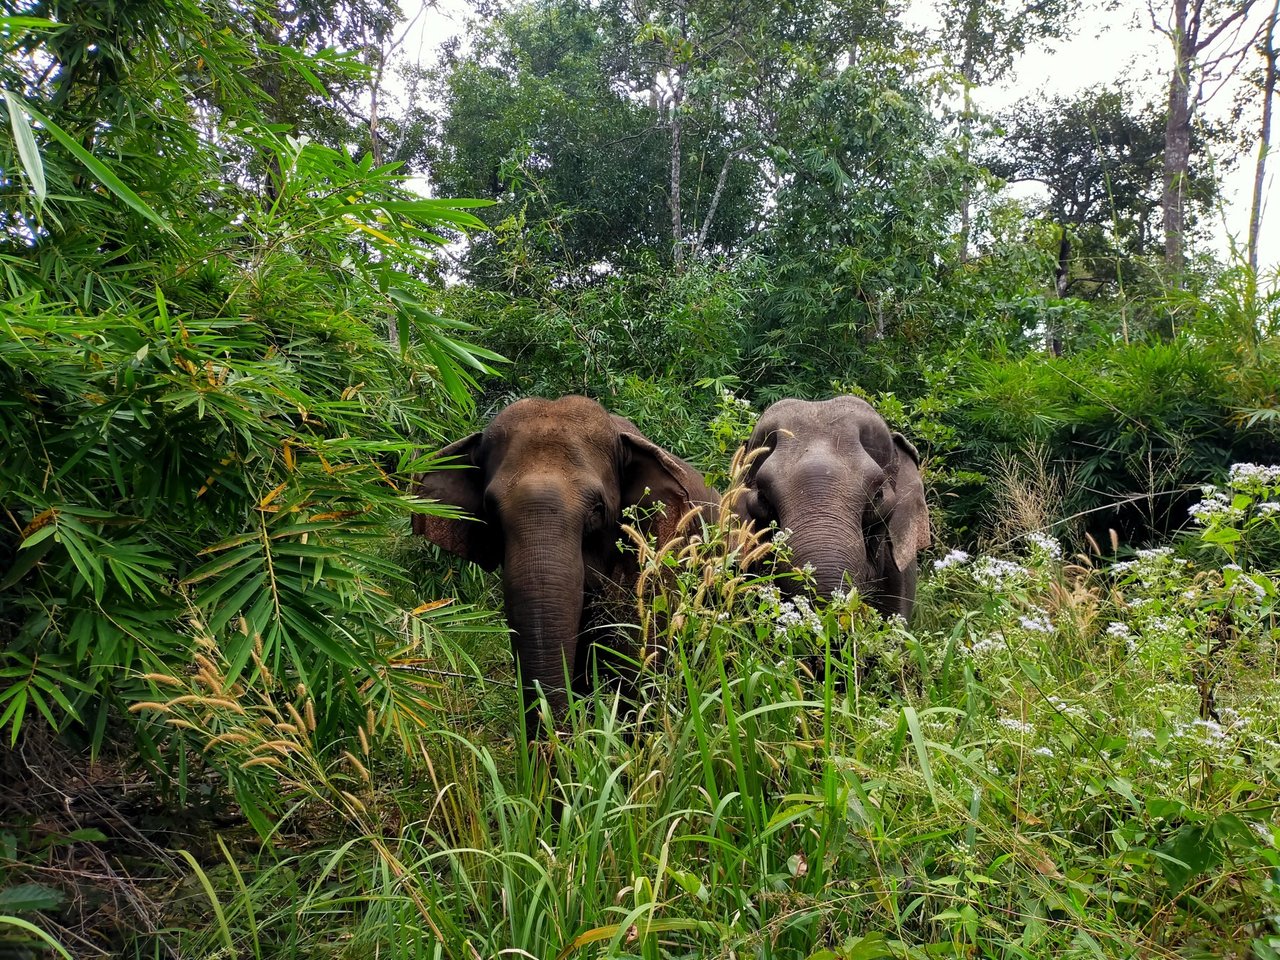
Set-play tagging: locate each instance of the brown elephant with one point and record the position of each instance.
(848, 489)
(547, 481)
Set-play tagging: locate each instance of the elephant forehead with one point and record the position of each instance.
(841, 442)
(552, 456)
(552, 440)
(576, 411)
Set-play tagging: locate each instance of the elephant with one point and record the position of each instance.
(849, 491)
(545, 485)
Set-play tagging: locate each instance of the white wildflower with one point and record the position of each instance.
(794, 615)
(1043, 752)
(1016, 726)
(1045, 545)
(1207, 733)
(985, 646)
(1259, 592)
(1265, 831)
(1072, 710)
(1118, 631)
(952, 559)
(1036, 624)
(994, 573)
(1246, 475)
(1215, 505)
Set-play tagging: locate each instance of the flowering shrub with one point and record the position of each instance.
(1243, 518)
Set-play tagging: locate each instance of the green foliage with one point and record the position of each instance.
(206, 426)
(532, 118)
(1054, 758)
(861, 224)
(1100, 160)
(226, 339)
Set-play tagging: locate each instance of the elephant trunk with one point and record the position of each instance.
(543, 591)
(827, 535)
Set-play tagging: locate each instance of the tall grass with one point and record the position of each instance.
(1059, 759)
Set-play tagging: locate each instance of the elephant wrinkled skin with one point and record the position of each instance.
(849, 490)
(547, 481)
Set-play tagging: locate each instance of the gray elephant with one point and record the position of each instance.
(848, 488)
(547, 481)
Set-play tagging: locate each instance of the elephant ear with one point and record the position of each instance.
(909, 525)
(651, 475)
(750, 506)
(461, 486)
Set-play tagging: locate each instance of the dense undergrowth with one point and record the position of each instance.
(1061, 757)
(244, 713)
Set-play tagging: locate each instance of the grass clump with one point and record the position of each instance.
(1060, 758)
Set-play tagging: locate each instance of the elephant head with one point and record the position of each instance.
(848, 488)
(544, 486)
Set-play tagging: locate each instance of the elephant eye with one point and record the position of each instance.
(881, 503)
(595, 519)
(758, 506)
(491, 504)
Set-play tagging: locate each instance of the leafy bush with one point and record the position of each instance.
(209, 399)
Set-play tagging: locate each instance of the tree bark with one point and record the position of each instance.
(967, 76)
(1061, 281)
(1177, 145)
(678, 71)
(1264, 139)
(705, 229)
(677, 226)
(1194, 40)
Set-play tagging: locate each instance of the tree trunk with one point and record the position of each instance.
(1264, 139)
(705, 229)
(1062, 276)
(1061, 280)
(678, 72)
(677, 226)
(269, 83)
(1177, 146)
(968, 74)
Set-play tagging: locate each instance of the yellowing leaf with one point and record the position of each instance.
(39, 520)
(262, 504)
(364, 227)
(432, 605)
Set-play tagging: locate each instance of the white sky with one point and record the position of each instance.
(1110, 46)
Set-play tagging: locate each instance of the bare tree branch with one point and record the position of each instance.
(705, 229)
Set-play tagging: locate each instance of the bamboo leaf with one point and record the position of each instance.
(25, 141)
(99, 169)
